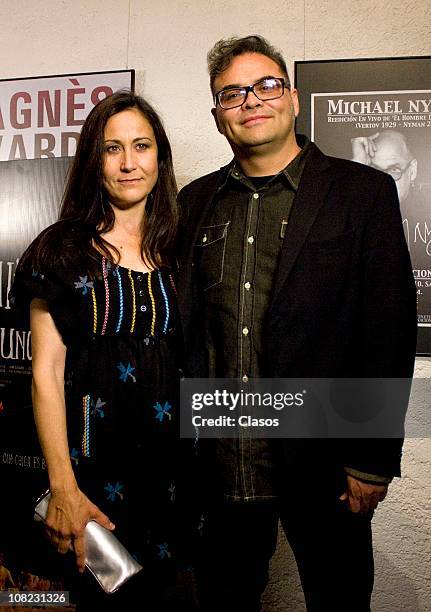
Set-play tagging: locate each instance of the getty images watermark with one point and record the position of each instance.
(241, 400)
(305, 408)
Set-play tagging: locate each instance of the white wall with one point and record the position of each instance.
(166, 42)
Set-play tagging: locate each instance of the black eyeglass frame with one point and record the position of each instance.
(250, 88)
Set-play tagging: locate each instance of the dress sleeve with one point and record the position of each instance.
(46, 273)
(32, 282)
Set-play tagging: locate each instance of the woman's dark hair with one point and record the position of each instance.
(85, 208)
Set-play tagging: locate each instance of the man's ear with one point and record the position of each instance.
(295, 100)
(214, 114)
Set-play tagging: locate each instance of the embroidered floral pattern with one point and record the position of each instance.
(84, 284)
(163, 551)
(96, 408)
(162, 411)
(172, 492)
(126, 371)
(123, 299)
(74, 455)
(113, 491)
(119, 372)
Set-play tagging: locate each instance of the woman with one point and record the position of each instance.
(104, 344)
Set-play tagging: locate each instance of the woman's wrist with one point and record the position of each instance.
(63, 484)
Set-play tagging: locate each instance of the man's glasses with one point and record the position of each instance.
(269, 88)
(395, 171)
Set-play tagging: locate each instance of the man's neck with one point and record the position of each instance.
(257, 161)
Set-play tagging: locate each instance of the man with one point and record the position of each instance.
(291, 264)
(388, 151)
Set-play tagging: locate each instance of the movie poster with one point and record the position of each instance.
(40, 122)
(356, 117)
(42, 116)
(390, 131)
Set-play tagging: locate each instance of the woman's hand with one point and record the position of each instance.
(69, 510)
(68, 514)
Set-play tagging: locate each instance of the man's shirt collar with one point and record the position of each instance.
(292, 172)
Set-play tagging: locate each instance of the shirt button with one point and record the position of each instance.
(245, 331)
(143, 308)
(250, 239)
(139, 277)
(141, 292)
(255, 195)
(245, 378)
(205, 238)
(247, 285)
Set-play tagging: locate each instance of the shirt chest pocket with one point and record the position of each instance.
(210, 251)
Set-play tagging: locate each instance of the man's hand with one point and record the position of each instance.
(361, 496)
(363, 148)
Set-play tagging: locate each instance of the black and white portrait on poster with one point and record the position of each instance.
(388, 129)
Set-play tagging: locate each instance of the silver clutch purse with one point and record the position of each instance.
(106, 558)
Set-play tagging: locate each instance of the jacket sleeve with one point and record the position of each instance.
(388, 324)
(389, 304)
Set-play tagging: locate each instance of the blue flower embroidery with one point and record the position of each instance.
(162, 411)
(74, 455)
(113, 490)
(163, 551)
(84, 284)
(126, 371)
(172, 492)
(96, 407)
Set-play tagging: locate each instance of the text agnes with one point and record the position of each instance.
(43, 123)
(375, 107)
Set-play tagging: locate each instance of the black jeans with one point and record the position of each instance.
(332, 547)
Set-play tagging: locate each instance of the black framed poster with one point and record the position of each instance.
(378, 112)
(40, 122)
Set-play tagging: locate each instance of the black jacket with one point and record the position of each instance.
(344, 300)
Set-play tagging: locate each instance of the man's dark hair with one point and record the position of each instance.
(223, 52)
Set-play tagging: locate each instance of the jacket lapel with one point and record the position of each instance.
(313, 187)
(188, 238)
(198, 214)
